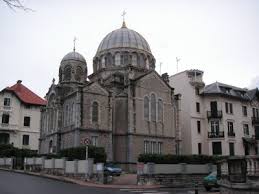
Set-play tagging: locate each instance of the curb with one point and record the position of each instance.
(83, 183)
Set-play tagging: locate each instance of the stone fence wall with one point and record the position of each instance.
(6, 163)
(173, 175)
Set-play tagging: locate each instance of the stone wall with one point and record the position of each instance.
(172, 180)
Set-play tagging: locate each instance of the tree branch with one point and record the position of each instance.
(16, 4)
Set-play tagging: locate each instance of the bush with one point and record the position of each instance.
(175, 159)
(7, 150)
(98, 153)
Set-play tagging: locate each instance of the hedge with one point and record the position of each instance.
(175, 159)
(7, 150)
(98, 153)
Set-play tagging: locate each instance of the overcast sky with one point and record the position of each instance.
(220, 37)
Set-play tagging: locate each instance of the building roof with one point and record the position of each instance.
(226, 90)
(74, 56)
(123, 38)
(25, 94)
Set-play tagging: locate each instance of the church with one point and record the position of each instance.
(124, 106)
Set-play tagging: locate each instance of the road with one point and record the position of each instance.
(15, 183)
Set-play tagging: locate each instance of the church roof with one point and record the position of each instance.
(74, 56)
(25, 95)
(123, 38)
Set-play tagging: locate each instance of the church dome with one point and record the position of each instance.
(123, 47)
(73, 56)
(123, 38)
(73, 68)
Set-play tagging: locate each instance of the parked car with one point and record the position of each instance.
(210, 181)
(112, 169)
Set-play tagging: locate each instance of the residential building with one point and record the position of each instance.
(216, 119)
(125, 106)
(20, 111)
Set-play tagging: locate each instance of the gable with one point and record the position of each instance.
(96, 88)
(153, 82)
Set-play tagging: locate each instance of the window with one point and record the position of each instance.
(246, 129)
(67, 73)
(25, 140)
(159, 147)
(26, 121)
(231, 149)
(226, 107)
(199, 149)
(160, 110)
(244, 110)
(199, 126)
(146, 147)
(216, 148)
(95, 112)
(197, 91)
(7, 101)
(4, 138)
(94, 140)
(215, 127)
(229, 108)
(230, 128)
(146, 108)
(197, 107)
(255, 113)
(5, 118)
(153, 147)
(153, 107)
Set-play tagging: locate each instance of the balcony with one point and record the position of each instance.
(8, 127)
(255, 120)
(218, 134)
(231, 134)
(214, 114)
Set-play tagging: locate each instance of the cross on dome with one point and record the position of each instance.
(74, 49)
(123, 16)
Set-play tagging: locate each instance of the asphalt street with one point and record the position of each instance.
(16, 183)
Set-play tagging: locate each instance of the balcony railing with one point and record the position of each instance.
(214, 114)
(218, 134)
(255, 120)
(231, 134)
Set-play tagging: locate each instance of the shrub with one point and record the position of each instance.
(98, 153)
(7, 150)
(175, 159)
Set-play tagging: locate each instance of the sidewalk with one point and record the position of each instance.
(117, 184)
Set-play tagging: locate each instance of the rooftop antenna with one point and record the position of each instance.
(74, 49)
(123, 16)
(177, 61)
(160, 65)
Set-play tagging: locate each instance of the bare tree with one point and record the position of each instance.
(16, 4)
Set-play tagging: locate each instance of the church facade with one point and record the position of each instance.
(124, 106)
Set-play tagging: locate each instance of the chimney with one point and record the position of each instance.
(19, 81)
(165, 77)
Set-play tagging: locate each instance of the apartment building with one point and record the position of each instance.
(216, 119)
(20, 111)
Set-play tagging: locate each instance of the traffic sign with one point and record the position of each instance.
(87, 141)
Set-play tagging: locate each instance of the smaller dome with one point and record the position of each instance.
(74, 56)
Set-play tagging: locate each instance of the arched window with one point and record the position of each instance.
(153, 107)
(79, 73)
(67, 73)
(95, 112)
(117, 59)
(146, 108)
(160, 110)
(50, 147)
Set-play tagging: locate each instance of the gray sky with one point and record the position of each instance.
(220, 37)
